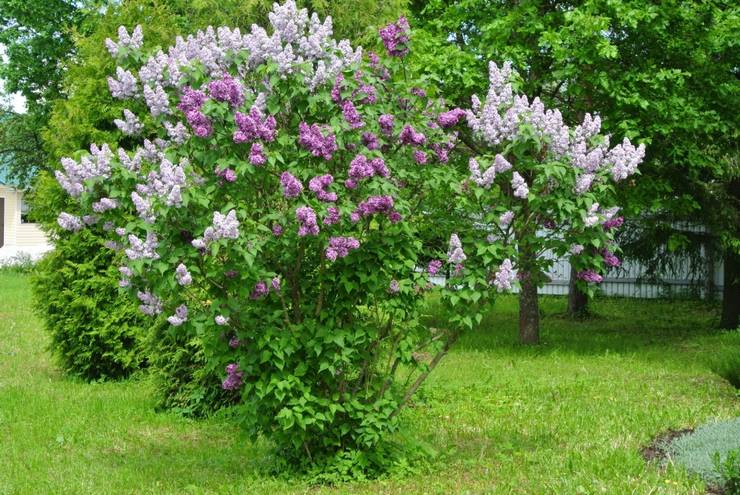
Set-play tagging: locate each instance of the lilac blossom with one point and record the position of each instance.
(312, 138)
(292, 187)
(504, 276)
(576, 249)
(69, 222)
(157, 100)
(260, 290)
(613, 223)
(143, 249)
(332, 215)
(254, 125)
(376, 204)
(130, 124)
(221, 320)
(319, 185)
(450, 118)
(590, 276)
(363, 168)
(395, 37)
(257, 155)
(520, 186)
(484, 179)
(234, 377)
(386, 123)
(455, 254)
(583, 182)
(394, 287)
(370, 141)
(277, 229)
(339, 247)
(226, 89)
(592, 218)
(133, 42)
(505, 219)
(123, 85)
(410, 136)
(223, 227)
(307, 221)
(183, 275)
(351, 115)
(420, 157)
(275, 283)
(234, 342)
(150, 304)
(610, 259)
(434, 266)
(180, 316)
(104, 204)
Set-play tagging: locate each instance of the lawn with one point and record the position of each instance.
(568, 416)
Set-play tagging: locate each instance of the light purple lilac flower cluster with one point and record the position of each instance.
(124, 85)
(223, 227)
(410, 136)
(156, 99)
(183, 275)
(504, 276)
(332, 216)
(519, 185)
(505, 218)
(319, 185)
(386, 123)
(69, 222)
(143, 249)
(434, 266)
(95, 166)
(455, 253)
(257, 155)
(180, 316)
(363, 168)
(312, 138)
(150, 304)
(132, 42)
(339, 247)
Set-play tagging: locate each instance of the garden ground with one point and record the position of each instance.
(568, 416)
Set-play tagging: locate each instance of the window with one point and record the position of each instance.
(25, 208)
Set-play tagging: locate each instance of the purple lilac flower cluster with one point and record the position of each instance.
(254, 125)
(223, 227)
(613, 223)
(332, 216)
(351, 115)
(339, 247)
(156, 99)
(450, 118)
(69, 222)
(227, 174)
(319, 184)
(260, 290)
(257, 155)
(376, 204)
(292, 187)
(610, 259)
(234, 377)
(434, 266)
(226, 89)
(312, 138)
(134, 41)
(363, 168)
(370, 141)
(395, 37)
(590, 276)
(519, 185)
(191, 101)
(386, 123)
(130, 124)
(410, 136)
(307, 221)
(124, 85)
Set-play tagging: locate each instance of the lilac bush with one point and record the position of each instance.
(272, 208)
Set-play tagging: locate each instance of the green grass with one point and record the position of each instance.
(566, 417)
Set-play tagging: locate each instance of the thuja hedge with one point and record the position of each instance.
(275, 201)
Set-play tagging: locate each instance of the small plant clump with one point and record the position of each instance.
(710, 451)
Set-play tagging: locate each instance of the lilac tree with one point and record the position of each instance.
(539, 190)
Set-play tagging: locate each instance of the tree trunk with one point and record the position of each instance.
(577, 299)
(529, 311)
(731, 291)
